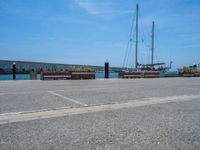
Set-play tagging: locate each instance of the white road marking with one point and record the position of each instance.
(67, 98)
(58, 90)
(60, 112)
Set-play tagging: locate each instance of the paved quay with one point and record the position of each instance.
(100, 114)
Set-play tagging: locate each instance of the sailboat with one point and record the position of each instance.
(152, 70)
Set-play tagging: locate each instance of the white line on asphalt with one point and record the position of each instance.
(60, 112)
(67, 98)
(58, 90)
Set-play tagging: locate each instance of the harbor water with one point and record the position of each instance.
(27, 76)
(98, 75)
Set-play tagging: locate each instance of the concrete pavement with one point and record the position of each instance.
(100, 114)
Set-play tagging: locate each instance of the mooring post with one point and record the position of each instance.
(106, 70)
(14, 71)
(33, 75)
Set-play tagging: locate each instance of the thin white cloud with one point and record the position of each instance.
(103, 7)
(89, 6)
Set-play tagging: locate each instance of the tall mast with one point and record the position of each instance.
(152, 49)
(136, 44)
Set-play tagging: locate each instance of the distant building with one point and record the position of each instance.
(6, 65)
(24, 66)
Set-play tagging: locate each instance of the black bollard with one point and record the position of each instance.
(14, 71)
(106, 70)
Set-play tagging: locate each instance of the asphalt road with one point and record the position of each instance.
(100, 114)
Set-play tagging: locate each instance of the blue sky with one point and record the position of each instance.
(91, 31)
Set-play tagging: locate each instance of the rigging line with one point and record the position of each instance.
(130, 37)
(156, 45)
(127, 49)
(129, 54)
(126, 60)
(144, 40)
(126, 53)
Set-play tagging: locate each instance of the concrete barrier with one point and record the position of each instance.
(130, 75)
(67, 75)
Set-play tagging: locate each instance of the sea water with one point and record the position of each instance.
(27, 76)
(98, 75)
